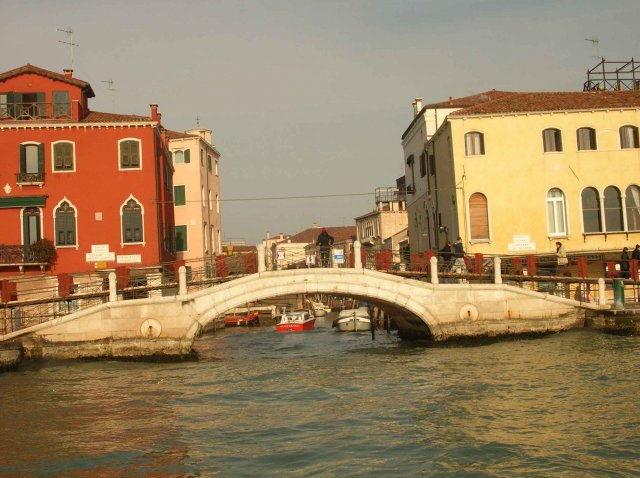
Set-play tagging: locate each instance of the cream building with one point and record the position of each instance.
(196, 187)
(512, 173)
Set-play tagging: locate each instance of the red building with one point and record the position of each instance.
(98, 185)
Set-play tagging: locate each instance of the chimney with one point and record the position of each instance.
(154, 112)
(159, 118)
(418, 103)
(68, 73)
(450, 100)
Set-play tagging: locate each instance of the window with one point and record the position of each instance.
(423, 164)
(210, 201)
(586, 139)
(632, 201)
(552, 140)
(629, 137)
(179, 195)
(217, 204)
(556, 213)
(130, 154)
(216, 167)
(63, 156)
(410, 187)
(182, 244)
(591, 210)
(30, 226)
(132, 222)
(479, 217)
(61, 104)
(65, 219)
(201, 157)
(180, 157)
(612, 209)
(31, 163)
(474, 143)
(432, 164)
(209, 163)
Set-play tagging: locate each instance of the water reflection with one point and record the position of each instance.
(321, 403)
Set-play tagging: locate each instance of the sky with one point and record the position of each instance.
(308, 100)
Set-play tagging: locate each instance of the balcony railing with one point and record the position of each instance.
(35, 111)
(17, 254)
(30, 178)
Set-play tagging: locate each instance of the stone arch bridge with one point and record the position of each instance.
(167, 326)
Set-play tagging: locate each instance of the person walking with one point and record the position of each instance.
(324, 242)
(561, 259)
(458, 253)
(624, 263)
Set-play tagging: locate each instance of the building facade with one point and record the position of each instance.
(196, 186)
(98, 185)
(515, 174)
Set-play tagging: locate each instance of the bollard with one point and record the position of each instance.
(262, 265)
(433, 262)
(113, 292)
(497, 272)
(182, 280)
(618, 294)
(357, 257)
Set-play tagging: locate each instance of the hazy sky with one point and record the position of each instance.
(310, 98)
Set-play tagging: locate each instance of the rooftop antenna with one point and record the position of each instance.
(596, 47)
(198, 121)
(110, 83)
(69, 41)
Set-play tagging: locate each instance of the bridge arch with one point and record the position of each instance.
(407, 295)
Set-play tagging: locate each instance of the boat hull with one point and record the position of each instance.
(353, 324)
(309, 325)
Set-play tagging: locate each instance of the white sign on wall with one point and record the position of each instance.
(521, 242)
(338, 256)
(129, 259)
(99, 253)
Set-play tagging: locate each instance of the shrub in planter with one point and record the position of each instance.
(43, 251)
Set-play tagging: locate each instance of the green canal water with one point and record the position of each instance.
(324, 404)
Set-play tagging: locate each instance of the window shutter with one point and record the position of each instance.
(41, 158)
(478, 216)
(187, 156)
(23, 158)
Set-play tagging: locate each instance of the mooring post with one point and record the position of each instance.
(602, 299)
(262, 265)
(182, 280)
(497, 270)
(357, 258)
(433, 263)
(113, 292)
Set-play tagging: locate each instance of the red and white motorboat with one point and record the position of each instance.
(295, 322)
(250, 320)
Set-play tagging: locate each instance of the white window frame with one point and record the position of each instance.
(144, 233)
(75, 246)
(53, 159)
(554, 201)
(120, 141)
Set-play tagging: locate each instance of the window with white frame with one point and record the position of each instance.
(552, 140)
(479, 217)
(65, 225)
(132, 231)
(556, 213)
(63, 156)
(474, 143)
(632, 202)
(130, 154)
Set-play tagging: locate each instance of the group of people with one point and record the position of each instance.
(454, 254)
(624, 260)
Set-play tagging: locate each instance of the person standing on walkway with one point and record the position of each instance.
(624, 263)
(458, 253)
(561, 258)
(324, 242)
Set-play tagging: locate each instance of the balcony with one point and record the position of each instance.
(31, 111)
(30, 179)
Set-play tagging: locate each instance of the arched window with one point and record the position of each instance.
(132, 222)
(552, 140)
(556, 213)
(479, 217)
(30, 225)
(586, 139)
(591, 217)
(629, 137)
(474, 143)
(612, 209)
(65, 225)
(632, 201)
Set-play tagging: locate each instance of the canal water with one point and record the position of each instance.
(323, 404)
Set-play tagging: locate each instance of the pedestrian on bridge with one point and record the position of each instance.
(324, 242)
(459, 265)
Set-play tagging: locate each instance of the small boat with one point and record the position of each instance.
(295, 322)
(318, 309)
(353, 320)
(250, 320)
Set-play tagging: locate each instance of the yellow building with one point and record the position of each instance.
(512, 173)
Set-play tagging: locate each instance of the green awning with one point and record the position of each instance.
(22, 201)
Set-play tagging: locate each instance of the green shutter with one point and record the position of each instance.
(179, 198)
(23, 158)
(187, 156)
(41, 158)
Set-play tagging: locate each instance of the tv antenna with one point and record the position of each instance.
(596, 47)
(110, 83)
(69, 41)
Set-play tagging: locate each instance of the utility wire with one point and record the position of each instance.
(280, 198)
